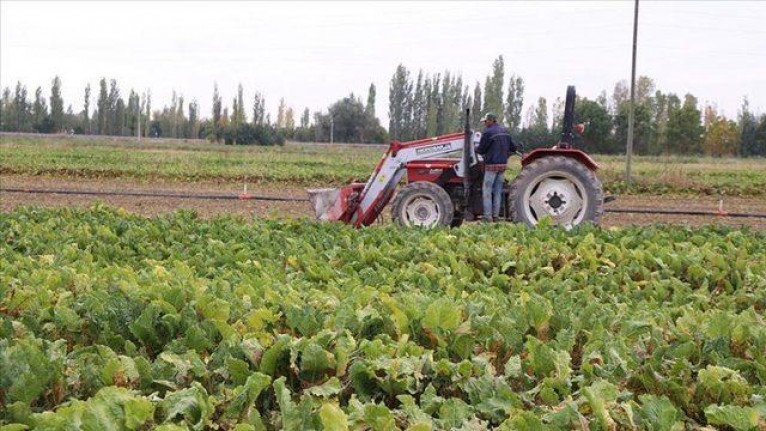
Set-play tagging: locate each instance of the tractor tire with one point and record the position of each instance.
(423, 204)
(557, 187)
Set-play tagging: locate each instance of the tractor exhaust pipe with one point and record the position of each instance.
(467, 159)
(567, 136)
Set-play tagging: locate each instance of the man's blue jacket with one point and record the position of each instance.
(496, 145)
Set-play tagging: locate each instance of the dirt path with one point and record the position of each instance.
(206, 208)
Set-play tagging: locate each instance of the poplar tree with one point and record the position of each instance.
(259, 109)
(305, 119)
(193, 125)
(432, 104)
(281, 111)
(759, 143)
(180, 119)
(148, 111)
(445, 109)
(234, 112)
(20, 108)
(747, 126)
(290, 120)
(132, 114)
(400, 104)
(685, 127)
(103, 108)
(57, 106)
(119, 118)
(112, 125)
(217, 129)
(40, 120)
(493, 89)
(419, 104)
(370, 108)
(541, 115)
(5, 110)
(241, 117)
(476, 108)
(514, 103)
(86, 110)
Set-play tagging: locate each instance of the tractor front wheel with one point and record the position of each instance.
(557, 187)
(423, 204)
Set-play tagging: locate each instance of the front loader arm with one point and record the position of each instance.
(382, 183)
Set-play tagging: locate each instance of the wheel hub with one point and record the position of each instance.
(556, 200)
(422, 211)
(558, 197)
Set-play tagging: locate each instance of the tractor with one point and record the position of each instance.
(558, 183)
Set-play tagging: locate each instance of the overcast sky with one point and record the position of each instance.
(313, 53)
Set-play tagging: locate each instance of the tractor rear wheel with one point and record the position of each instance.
(557, 187)
(423, 204)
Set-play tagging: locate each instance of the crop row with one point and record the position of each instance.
(307, 164)
(111, 321)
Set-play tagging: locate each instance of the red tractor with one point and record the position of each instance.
(558, 182)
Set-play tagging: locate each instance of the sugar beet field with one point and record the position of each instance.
(174, 314)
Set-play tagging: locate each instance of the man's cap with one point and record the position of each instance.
(488, 116)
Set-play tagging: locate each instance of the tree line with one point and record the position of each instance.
(431, 105)
(347, 120)
(420, 106)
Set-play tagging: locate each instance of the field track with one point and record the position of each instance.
(150, 206)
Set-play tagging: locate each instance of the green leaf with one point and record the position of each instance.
(739, 418)
(27, 369)
(512, 367)
(192, 406)
(213, 308)
(379, 418)
(721, 385)
(545, 361)
(333, 418)
(599, 395)
(315, 361)
(658, 413)
(110, 408)
(242, 405)
(330, 388)
(454, 412)
(522, 420)
(442, 315)
(293, 417)
(277, 354)
(238, 370)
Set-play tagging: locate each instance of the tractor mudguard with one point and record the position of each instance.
(572, 153)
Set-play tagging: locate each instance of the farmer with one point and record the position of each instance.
(496, 146)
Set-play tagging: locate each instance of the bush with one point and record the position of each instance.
(247, 134)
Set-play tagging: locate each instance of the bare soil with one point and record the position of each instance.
(150, 206)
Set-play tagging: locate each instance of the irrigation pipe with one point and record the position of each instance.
(673, 212)
(246, 196)
(241, 197)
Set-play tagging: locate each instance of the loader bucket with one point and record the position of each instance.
(324, 201)
(335, 204)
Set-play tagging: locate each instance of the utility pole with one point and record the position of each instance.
(631, 115)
